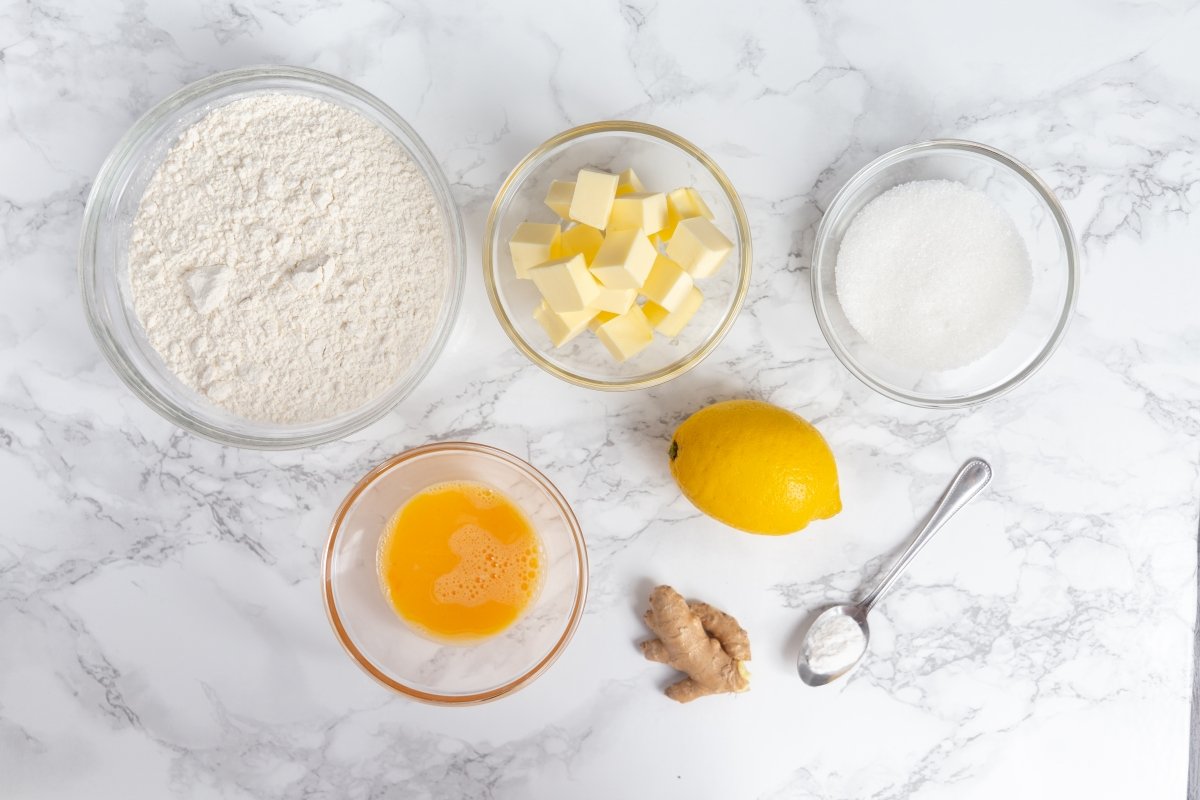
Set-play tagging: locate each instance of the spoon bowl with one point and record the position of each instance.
(808, 663)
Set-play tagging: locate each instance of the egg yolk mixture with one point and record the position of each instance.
(460, 561)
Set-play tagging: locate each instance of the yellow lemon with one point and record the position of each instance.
(755, 466)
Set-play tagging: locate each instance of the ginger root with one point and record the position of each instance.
(699, 640)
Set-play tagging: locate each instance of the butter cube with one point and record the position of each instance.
(639, 210)
(562, 328)
(629, 183)
(566, 284)
(626, 335)
(533, 243)
(683, 204)
(600, 319)
(581, 239)
(698, 246)
(559, 197)
(668, 284)
(615, 301)
(624, 260)
(592, 200)
(688, 203)
(670, 323)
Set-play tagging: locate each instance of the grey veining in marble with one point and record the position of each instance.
(161, 628)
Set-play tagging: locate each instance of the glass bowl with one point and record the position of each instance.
(1042, 224)
(104, 270)
(664, 162)
(405, 661)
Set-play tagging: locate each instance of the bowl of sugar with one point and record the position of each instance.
(944, 274)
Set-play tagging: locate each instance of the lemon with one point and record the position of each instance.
(755, 466)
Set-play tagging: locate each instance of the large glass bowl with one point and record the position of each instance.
(664, 162)
(396, 655)
(104, 269)
(1042, 224)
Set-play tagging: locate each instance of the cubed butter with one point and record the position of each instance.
(670, 323)
(592, 200)
(615, 301)
(624, 260)
(698, 246)
(566, 284)
(644, 210)
(626, 335)
(600, 319)
(562, 328)
(581, 239)
(683, 203)
(628, 183)
(668, 284)
(559, 197)
(533, 243)
(688, 203)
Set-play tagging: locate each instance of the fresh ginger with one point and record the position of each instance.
(699, 640)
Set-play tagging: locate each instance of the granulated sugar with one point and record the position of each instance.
(933, 274)
(288, 258)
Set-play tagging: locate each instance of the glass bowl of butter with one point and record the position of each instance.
(617, 255)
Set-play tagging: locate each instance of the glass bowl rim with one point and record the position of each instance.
(955, 147)
(471, 449)
(745, 260)
(102, 195)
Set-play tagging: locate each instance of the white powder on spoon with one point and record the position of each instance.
(287, 260)
(933, 274)
(835, 642)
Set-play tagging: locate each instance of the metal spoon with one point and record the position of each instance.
(969, 481)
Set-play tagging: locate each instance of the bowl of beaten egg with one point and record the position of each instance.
(617, 255)
(455, 573)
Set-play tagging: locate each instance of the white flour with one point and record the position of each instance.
(287, 260)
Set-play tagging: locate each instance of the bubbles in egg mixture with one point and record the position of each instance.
(488, 570)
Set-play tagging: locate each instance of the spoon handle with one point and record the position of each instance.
(969, 481)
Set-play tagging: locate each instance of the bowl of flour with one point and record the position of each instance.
(944, 274)
(271, 258)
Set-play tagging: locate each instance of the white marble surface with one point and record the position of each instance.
(161, 629)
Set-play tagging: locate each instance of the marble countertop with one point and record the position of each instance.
(161, 628)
